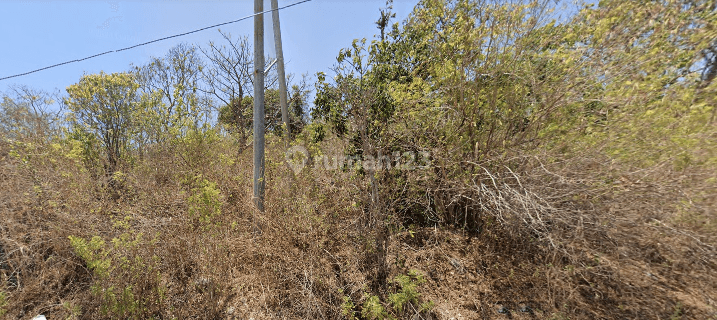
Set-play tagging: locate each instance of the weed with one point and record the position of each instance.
(372, 309)
(73, 310)
(426, 306)
(118, 270)
(205, 202)
(677, 314)
(348, 308)
(3, 303)
(409, 292)
(93, 253)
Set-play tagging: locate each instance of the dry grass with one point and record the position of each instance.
(575, 238)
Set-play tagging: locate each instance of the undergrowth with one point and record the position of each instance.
(467, 189)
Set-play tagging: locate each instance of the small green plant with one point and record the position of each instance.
(74, 310)
(677, 314)
(3, 303)
(121, 303)
(347, 309)
(426, 306)
(124, 223)
(119, 176)
(84, 146)
(93, 253)
(125, 284)
(409, 293)
(372, 309)
(205, 203)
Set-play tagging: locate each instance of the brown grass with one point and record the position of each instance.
(571, 238)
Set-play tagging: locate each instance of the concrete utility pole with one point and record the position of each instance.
(280, 68)
(259, 105)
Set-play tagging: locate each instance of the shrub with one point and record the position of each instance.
(408, 294)
(372, 309)
(205, 202)
(347, 308)
(93, 253)
(127, 284)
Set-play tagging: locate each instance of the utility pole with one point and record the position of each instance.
(259, 105)
(280, 68)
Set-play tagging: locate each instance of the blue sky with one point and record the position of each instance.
(36, 34)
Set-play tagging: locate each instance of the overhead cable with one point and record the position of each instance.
(149, 42)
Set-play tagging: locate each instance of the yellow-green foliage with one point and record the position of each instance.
(3, 303)
(205, 202)
(372, 309)
(493, 90)
(83, 147)
(94, 254)
(196, 147)
(126, 283)
(117, 303)
(104, 105)
(347, 308)
(489, 81)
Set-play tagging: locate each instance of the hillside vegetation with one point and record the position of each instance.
(479, 160)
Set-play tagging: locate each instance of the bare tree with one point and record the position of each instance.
(174, 82)
(27, 113)
(229, 76)
(229, 79)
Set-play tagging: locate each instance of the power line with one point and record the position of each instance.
(153, 41)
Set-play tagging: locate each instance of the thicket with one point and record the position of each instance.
(570, 174)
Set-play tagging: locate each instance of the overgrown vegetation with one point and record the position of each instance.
(478, 160)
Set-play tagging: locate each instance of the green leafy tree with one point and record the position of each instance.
(466, 81)
(357, 105)
(651, 66)
(104, 105)
(236, 117)
(298, 105)
(484, 75)
(243, 123)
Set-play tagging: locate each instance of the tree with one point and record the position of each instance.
(466, 81)
(104, 105)
(483, 74)
(237, 116)
(384, 18)
(171, 87)
(357, 104)
(229, 78)
(27, 113)
(649, 66)
(297, 106)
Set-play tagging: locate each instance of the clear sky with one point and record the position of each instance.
(37, 34)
